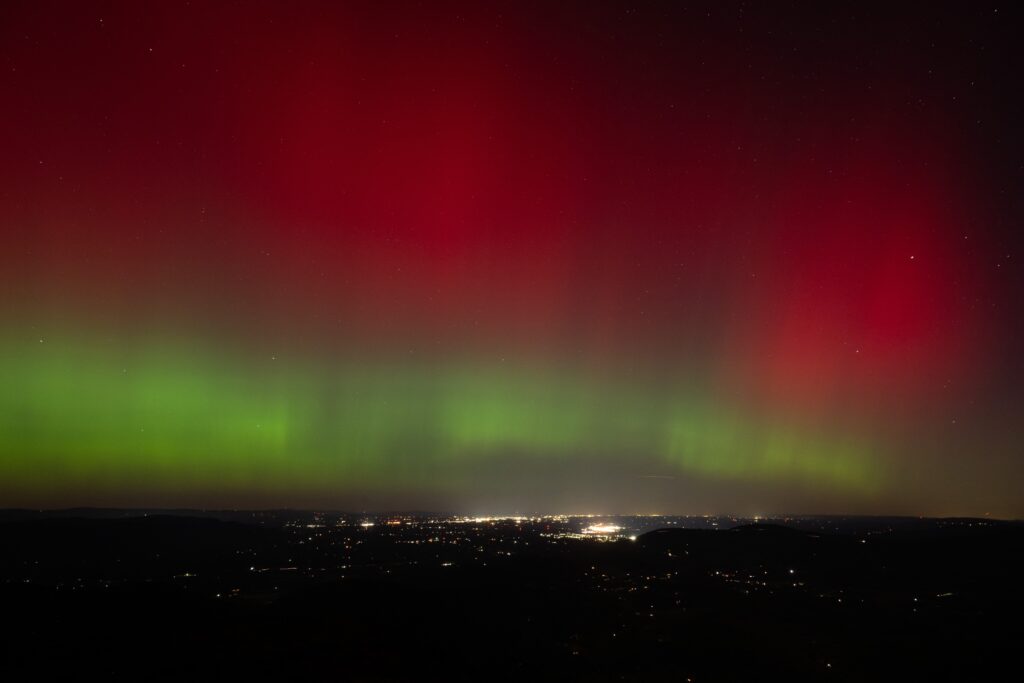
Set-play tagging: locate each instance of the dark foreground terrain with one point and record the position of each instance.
(142, 596)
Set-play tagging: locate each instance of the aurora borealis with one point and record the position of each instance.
(511, 257)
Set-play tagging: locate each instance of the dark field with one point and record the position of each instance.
(303, 595)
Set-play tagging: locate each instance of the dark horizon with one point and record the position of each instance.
(290, 595)
(498, 516)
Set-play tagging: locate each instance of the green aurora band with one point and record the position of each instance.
(75, 416)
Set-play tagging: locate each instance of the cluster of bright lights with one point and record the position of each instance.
(485, 520)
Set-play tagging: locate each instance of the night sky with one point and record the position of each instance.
(525, 257)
